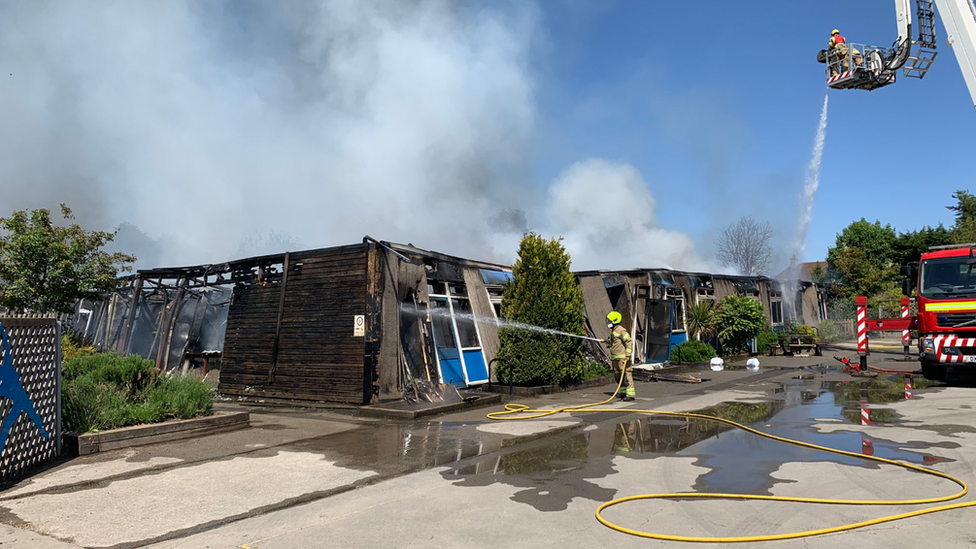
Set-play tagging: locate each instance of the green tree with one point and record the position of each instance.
(865, 258)
(910, 246)
(964, 230)
(818, 274)
(737, 319)
(543, 292)
(877, 241)
(47, 268)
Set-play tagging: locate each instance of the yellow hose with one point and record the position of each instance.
(515, 412)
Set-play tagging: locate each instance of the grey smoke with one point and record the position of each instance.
(510, 220)
(272, 243)
(202, 124)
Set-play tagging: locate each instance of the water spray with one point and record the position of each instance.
(501, 323)
(810, 185)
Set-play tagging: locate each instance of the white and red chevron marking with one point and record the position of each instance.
(865, 414)
(941, 342)
(862, 330)
(840, 76)
(906, 338)
(908, 387)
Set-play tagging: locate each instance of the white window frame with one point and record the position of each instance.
(704, 294)
(776, 297)
(494, 300)
(450, 297)
(677, 294)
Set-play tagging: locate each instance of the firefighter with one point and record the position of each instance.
(621, 351)
(837, 48)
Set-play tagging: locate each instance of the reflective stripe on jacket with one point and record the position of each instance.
(621, 345)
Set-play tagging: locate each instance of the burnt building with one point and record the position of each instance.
(377, 321)
(357, 324)
(654, 303)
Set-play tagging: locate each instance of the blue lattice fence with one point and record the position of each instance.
(30, 393)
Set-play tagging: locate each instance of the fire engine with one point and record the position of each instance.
(946, 318)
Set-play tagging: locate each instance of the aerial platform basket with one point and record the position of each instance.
(859, 67)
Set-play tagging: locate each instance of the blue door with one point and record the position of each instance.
(459, 354)
(448, 355)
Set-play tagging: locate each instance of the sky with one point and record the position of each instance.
(634, 130)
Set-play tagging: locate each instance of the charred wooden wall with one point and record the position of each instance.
(290, 333)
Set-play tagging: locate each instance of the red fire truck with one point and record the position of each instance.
(946, 319)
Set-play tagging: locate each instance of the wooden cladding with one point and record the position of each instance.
(293, 338)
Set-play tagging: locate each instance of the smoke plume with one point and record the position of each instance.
(196, 126)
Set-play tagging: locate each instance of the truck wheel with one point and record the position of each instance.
(934, 371)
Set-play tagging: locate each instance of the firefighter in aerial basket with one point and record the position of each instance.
(621, 350)
(837, 48)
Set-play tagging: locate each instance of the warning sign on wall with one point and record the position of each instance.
(359, 326)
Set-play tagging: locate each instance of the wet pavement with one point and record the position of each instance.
(300, 477)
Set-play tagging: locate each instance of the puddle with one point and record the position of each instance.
(395, 448)
(557, 469)
(552, 470)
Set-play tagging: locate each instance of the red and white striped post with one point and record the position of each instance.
(906, 337)
(865, 413)
(862, 331)
(867, 447)
(909, 388)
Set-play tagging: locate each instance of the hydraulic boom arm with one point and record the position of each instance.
(959, 18)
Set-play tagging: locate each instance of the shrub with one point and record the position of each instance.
(738, 319)
(133, 373)
(793, 328)
(766, 340)
(805, 330)
(73, 347)
(700, 318)
(181, 397)
(593, 369)
(106, 391)
(543, 292)
(693, 351)
(90, 406)
(829, 331)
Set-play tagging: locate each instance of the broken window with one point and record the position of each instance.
(615, 289)
(443, 329)
(705, 294)
(495, 297)
(467, 332)
(678, 298)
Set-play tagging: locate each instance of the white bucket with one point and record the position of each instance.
(752, 365)
(717, 364)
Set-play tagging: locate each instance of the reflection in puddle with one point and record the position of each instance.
(551, 471)
(554, 470)
(395, 448)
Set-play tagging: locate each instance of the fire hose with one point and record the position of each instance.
(851, 367)
(515, 412)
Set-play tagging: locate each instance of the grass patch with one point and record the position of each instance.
(105, 391)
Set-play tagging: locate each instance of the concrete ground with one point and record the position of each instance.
(313, 478)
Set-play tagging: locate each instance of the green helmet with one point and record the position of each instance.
(614, 317)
